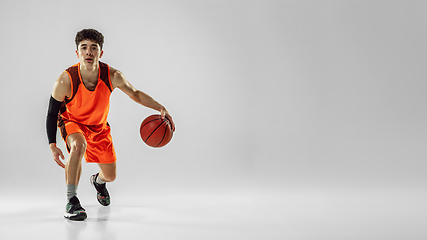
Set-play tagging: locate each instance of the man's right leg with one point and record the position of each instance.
(77, 144)
(73, 167)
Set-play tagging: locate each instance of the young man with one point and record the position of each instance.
(79, 107)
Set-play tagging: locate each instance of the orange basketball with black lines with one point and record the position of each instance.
(155, 131)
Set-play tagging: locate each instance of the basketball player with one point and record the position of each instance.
(79, 107)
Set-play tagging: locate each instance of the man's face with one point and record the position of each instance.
(89, 52)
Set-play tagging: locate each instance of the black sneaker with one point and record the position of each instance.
(74, 210)
(102, 192)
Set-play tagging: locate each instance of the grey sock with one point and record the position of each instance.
(99, 180)
(71, 191)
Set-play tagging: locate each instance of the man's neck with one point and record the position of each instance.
(89, 68)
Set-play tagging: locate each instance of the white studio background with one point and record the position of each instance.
(267, 96)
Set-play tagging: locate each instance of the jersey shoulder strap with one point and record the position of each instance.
(73, 72)
(104, 74)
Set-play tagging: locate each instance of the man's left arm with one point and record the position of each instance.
(119, 80)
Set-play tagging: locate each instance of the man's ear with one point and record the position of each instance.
(77, 53)
(102, 52)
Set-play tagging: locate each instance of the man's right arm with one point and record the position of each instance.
(61, 89)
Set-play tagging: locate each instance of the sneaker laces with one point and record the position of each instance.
(77, 207)
(101, 188)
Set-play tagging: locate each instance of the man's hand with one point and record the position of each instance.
(56, 152)
(164, 113)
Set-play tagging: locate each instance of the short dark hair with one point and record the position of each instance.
(90, 34)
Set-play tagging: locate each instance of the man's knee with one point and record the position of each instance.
(109, 177)
(108, 172)
(78, 147)
(77, 144)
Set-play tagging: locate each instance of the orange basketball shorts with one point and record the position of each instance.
(99, 147)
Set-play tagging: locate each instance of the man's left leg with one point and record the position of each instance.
(106, 174)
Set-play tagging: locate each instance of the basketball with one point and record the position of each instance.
(155, 131)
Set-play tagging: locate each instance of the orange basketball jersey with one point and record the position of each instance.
(85, 106)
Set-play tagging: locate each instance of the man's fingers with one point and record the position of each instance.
(169, 118)
(60, 163)
(57, 160)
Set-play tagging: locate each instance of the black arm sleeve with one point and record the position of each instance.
(52, 119)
